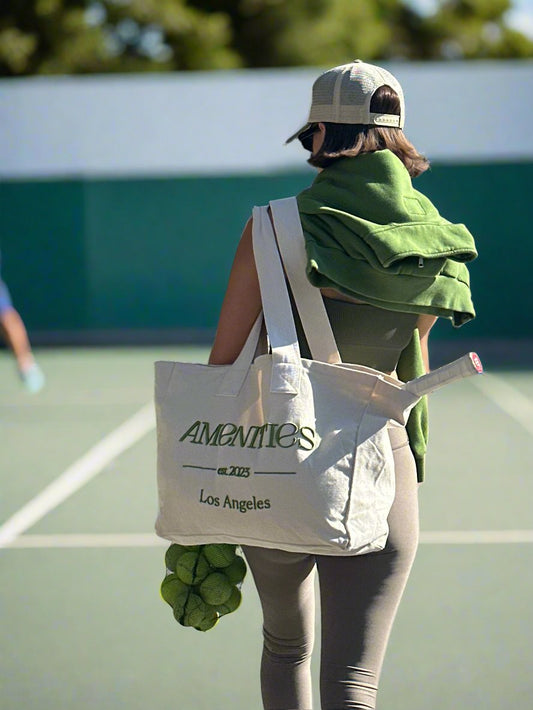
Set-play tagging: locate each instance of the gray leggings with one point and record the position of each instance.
(359, 597)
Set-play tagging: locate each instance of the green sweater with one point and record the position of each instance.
(372, 236)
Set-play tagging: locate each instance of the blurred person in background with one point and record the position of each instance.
(388, 265)
(16, 336)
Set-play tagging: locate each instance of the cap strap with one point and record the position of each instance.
(385, 119)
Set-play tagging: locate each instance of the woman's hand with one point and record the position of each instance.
(241, 305)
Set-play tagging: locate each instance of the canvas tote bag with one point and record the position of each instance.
(277, 450)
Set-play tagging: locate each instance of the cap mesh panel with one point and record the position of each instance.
(354, 93)
(324, 88)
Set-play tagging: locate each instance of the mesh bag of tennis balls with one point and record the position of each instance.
(202, 583)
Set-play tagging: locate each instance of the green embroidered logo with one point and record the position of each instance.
(267, 436)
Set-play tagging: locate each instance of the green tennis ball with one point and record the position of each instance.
(210, 619)
(236, 571)
(220, 555)
(171, 586)
(195, 611)
(231, 604)
(216, 588)
(192, 567)
(174, 552)
(172, 555)
(180, 600)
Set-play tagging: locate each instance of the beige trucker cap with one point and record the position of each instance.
(343, 95)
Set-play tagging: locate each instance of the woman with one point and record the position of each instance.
(387, 265)
(14, 333)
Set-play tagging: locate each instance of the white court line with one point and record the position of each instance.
(78, 474)
(507, 398)
(428, 537)
(89, 540)
(475, 537)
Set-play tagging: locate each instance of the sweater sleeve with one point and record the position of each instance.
(411, 365)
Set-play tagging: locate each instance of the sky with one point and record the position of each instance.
(520, 16)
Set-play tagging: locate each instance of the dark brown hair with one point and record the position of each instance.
(345, 140)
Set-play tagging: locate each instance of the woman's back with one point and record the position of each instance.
(365, 335)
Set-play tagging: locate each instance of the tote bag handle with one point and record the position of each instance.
(308, 299)
(277, 313)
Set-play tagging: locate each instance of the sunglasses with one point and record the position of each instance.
(306, 138)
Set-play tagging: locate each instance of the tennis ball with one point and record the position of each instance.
(173, 554)
(236, 571)
(210, 619)
(171, 586)
(216, 588)
(220, 555)
(231, 604)
(180, 600)
(192, 567)
(195, 611)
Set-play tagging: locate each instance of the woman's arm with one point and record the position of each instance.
(424, 324)
(241, 305)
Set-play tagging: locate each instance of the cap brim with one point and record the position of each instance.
(298, 133)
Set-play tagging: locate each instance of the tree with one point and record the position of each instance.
(462, 29)
(88, 36)
(269, 33)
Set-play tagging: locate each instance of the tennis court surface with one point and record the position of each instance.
(82, 622)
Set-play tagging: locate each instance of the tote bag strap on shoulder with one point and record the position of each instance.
(307, 297)
(277, 313)
(286, 360)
